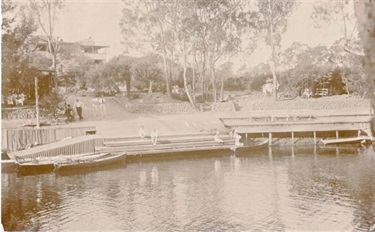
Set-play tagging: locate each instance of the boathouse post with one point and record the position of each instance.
(314, 137)
(337, 134)
(270, 138)
(292, 138)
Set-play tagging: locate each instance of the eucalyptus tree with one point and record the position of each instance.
(338, 12)
(222, 23)
(144, 23)
(346, 54)
(366, 25)
(147, 72)
(47, 14)
(272, 23)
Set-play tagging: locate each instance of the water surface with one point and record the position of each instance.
(281, 189)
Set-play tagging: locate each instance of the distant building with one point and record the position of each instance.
(88, 48)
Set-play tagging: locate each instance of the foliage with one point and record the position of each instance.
(272, 23)
(119, 68)
(147, 73)
(97, 77)
(48, 104)
(72, 70)
(16, 73)
(236, 84)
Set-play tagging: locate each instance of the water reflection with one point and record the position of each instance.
(299, 188)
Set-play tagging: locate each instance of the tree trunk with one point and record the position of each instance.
(54, 65)
(364, 10)
(213, 78)
(273, 58)
(165, 60)
(222, 88)
(150, 87)
(193, 84)
(184, 76)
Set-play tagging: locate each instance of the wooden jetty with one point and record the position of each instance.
(299, 124)
(167, 145)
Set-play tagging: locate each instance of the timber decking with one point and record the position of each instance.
(166, 144)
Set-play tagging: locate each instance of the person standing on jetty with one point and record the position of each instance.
(78, 105)
(102, 108)
(141, 132)
(154, 137)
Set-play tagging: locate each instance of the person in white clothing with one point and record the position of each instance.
(102, 108)
(95, 106)
(237, 138)
(154, 137)
(141, 132)
(217, 139)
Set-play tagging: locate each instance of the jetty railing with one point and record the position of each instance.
(22, 138)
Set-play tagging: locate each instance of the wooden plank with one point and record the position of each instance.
(83, 144)
(164, 141)
(161, 136)
(150, 152)
(160, 147)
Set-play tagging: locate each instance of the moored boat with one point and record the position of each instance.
(353, 140)
(253, 147)
(92, 162)
(40, 165)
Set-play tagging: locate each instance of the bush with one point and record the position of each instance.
(49, 103)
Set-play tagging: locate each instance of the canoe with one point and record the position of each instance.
(354, 140)
(31, 166)
(98, 161)
(245, 149)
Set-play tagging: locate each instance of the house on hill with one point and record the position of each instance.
(97, 53)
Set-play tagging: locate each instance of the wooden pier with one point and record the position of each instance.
(298, 125)
(167, 145)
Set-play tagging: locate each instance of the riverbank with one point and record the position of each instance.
(119, 122)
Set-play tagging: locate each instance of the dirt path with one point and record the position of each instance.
(118, 122)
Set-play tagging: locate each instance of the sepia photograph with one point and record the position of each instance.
(187, 115)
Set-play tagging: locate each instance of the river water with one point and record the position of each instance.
(279, 189)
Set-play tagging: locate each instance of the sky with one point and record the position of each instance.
(99, 19)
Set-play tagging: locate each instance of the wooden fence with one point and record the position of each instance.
(78, 145)
(18, 139)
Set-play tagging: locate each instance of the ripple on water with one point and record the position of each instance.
(255, 192)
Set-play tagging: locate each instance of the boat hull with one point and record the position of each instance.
(247, 149)
(349, 141)
(105, 161)
(32, 169)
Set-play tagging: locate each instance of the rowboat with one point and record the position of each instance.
(92, 162)
(253, 147)
(353, 140)
(39, 165)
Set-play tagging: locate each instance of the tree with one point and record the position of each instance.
(16, 72)
(337, 12)
(144, 22)
(364, 10)
(46, 13)
(119, 68)
(147, 72)
(273, 23)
